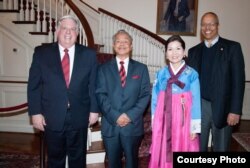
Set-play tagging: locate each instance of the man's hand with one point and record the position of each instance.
(38, 121)
(233, 119)
(180, 18)
(93, 117)
(123, 120)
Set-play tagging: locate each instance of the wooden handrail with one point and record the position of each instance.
(84, 23)
(89, 6)
(22, 82)
(161, 40)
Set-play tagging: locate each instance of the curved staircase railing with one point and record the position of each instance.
(44, 15)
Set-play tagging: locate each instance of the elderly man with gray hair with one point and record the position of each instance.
(61, 95)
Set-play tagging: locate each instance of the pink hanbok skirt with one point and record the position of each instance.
(181, 118)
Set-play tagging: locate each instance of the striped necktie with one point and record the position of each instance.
(122, 74)
(65, 66)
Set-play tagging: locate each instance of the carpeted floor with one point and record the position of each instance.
(17, 160)
(243, 139)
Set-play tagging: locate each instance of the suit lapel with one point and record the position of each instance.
(77, 60)
(217, 64)
(114, 70)
(130, 71)
(56, 60)
(199, 57)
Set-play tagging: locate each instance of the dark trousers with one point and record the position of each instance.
(118, 146)
(68, 142)
(221, 138)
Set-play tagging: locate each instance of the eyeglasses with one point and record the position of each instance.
(209, 24)
(125, 42)
(73, 29)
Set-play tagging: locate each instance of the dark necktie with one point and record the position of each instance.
(65, 66)
(122, 73)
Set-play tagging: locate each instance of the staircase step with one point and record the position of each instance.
(96, 153)
(96, 165)
(96, 127)
(24, 22)
(39, 33)
(96, 147)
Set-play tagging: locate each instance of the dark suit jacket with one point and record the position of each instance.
(47, 91)
(228, 78)
(115, 100)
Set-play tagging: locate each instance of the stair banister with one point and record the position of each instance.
(161, 40)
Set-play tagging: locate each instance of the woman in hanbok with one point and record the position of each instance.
(175, 107)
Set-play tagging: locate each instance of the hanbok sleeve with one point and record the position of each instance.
(196, 105)
(155, 92)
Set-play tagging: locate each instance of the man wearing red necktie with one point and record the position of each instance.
(61, 95)
(123, 93)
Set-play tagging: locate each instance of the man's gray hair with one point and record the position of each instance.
(122, 32)
(69, 17)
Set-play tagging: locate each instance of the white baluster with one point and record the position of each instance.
(15, 5)
(56, 19)
(100, 29)
(21, 15)
(106, 34)
(26, 12)
(107, 37)
(10, 4)
(44, 24)
(80, 35)
(5, 3)
(38, 22)
(50, 23)
(32, 11)
(67, 9)
(62, 7)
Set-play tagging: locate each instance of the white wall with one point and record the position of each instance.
(233, 14)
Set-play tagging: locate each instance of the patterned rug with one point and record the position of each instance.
(17, 160)
(243, 139)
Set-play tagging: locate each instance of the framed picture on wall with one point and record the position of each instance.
(177, 17)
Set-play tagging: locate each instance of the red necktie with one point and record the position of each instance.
(122, 74)
(65, 66)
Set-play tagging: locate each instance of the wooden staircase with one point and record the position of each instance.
(96, 147)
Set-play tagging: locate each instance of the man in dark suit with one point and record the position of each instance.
(61, 96)
(220, 64)
(123, 93)
(176, 15)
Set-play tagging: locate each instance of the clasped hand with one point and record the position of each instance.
(123, 120)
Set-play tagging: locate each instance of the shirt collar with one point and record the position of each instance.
(125, 61)
(212, 42)
(71, 50)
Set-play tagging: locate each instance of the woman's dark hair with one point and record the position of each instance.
(175, 38)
